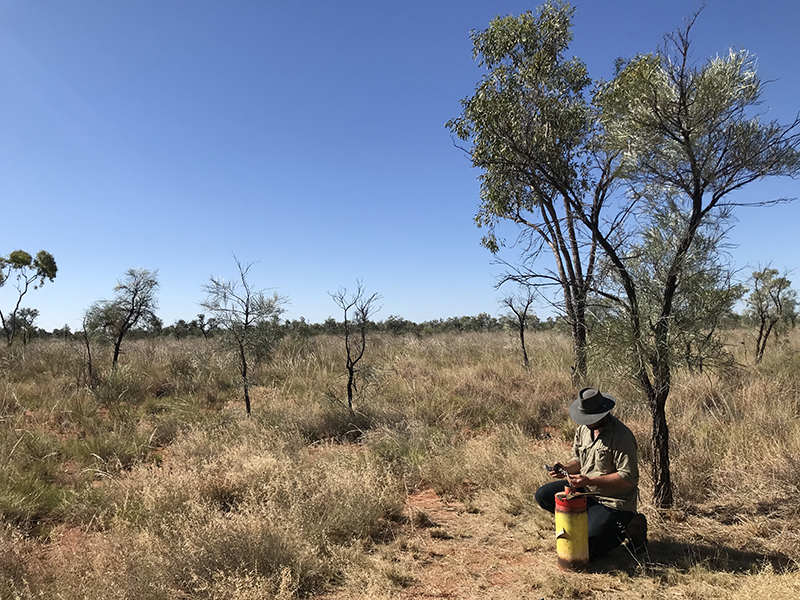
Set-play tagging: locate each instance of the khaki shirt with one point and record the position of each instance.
(614, 451)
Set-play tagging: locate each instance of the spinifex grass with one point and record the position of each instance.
(152, 483)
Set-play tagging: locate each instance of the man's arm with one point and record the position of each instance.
(612, 481)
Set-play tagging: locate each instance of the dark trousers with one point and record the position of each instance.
(606, 525)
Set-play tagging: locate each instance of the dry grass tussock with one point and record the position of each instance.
(152, 484)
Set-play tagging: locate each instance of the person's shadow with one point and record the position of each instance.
(660, 556)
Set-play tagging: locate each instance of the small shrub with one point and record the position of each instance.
(31, 503)
(110, 452)
(122, 386)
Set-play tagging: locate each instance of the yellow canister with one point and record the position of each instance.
(572, 531)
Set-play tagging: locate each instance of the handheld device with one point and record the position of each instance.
(558, 469)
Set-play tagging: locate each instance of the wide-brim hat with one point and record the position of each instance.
(591, 406)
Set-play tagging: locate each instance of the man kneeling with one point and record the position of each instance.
(603, 463)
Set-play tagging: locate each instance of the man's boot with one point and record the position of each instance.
(637, 532)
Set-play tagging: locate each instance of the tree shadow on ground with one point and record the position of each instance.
(660, 556)
(779, 507)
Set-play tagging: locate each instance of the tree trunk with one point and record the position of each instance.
(579, 343)
(351, 366)
(662, 481)
(580, 367)
(657, 392)
(763, 335)
(243, 365)
(89, 367)
(117, 345)
(522, 342)
(351, 375)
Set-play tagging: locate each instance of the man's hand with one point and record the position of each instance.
(559, 471)
(579, 480)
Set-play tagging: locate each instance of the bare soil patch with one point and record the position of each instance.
(445, 549)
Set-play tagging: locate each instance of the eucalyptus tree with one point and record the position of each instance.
(687, 137)
(248, 319)
(534, 136)
(358, 309)
(135, 302)
(28, 273)
(771, 302)
(622, 187)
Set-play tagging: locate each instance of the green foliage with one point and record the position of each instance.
(686, 139)
(134, 303)
(704, 295)
(23, 322)
(250, 319)
(28, 272)
(536, 139)
(27, 267)
(123, 386)
(59, 438)
(27, 501)
(109, 452)
(681, 136)
(692, 129)
(528, 113)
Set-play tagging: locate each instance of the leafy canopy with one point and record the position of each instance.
(28, 268)
(529, 122)
(694, 128)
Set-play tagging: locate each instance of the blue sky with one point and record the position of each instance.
(307, 137)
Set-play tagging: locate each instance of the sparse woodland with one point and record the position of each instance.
(241, 457)
(152, 483)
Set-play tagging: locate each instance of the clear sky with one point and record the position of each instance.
(306, 136)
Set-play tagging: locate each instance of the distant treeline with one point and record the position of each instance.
(202, 327)
(483, 322)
